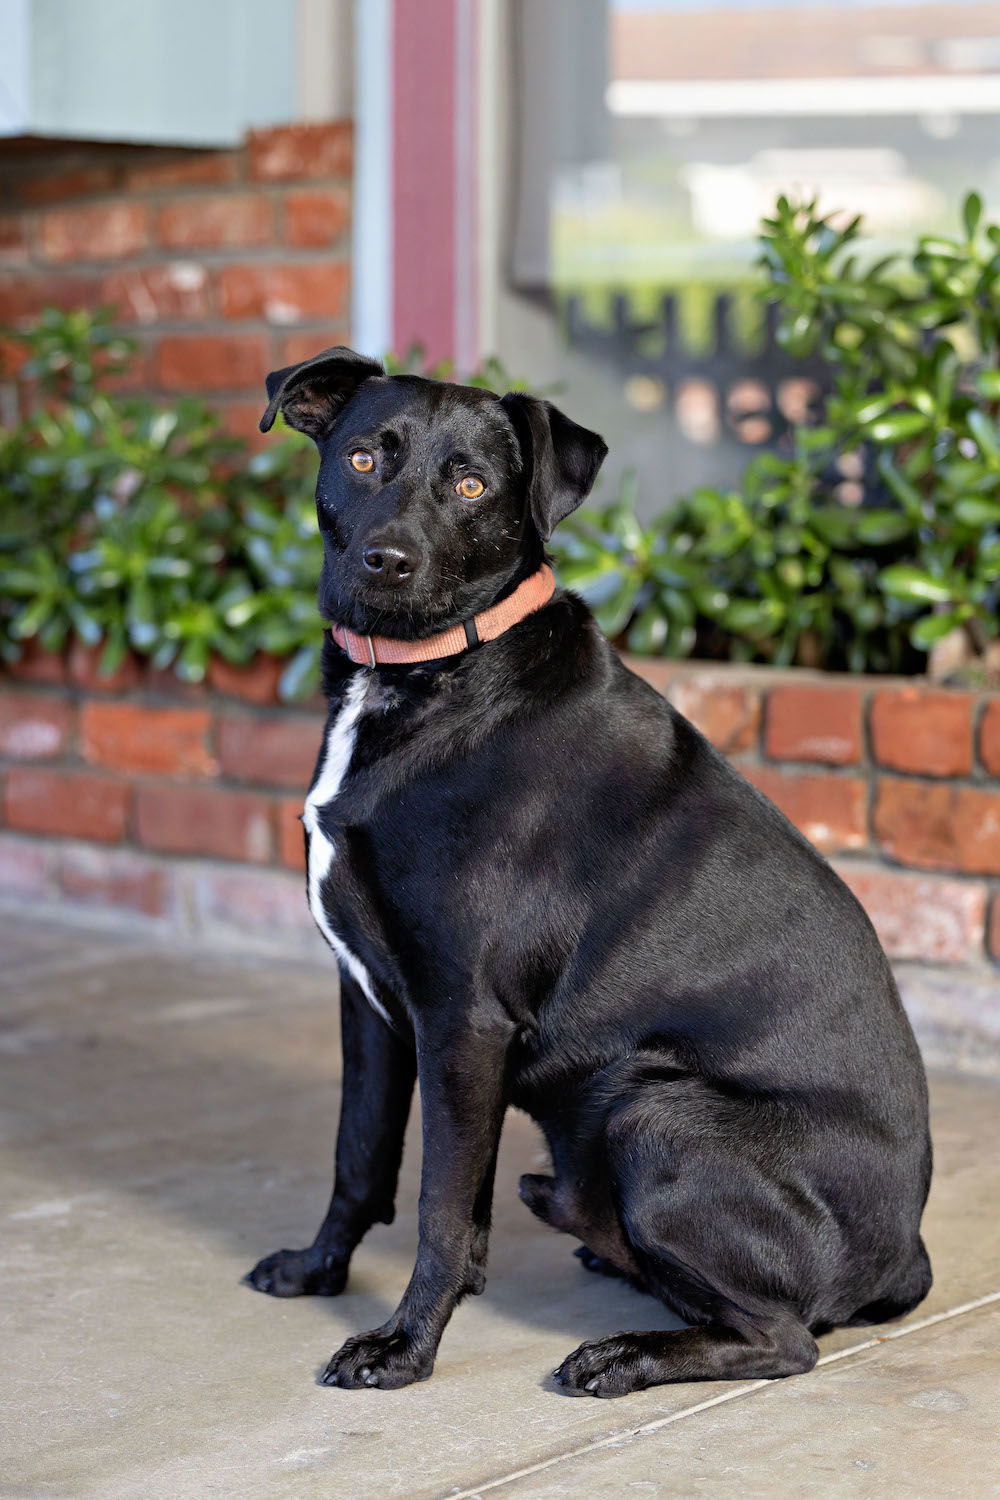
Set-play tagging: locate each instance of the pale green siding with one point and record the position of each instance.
(192, 72)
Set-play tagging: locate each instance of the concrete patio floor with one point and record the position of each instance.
(167, 1118)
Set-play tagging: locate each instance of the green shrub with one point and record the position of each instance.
(145, 528)
(783, 570)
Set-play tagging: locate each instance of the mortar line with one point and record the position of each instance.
(691, 1411)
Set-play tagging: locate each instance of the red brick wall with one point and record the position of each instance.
(177, 802)
(224, 264)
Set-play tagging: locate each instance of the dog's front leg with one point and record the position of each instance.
(379, 1072)
(462, 1100)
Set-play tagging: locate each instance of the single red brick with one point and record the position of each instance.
(35, 664)
(207, 362)
(814, 722)
(215, 222)
(20, 303)
(939, 827)
(259, 902)
(24, 295)
(830, 810)
(154, 741)
(241, 419)
(204, 820)
(84, 669)
(76, 804)
(114, 877)
(75, 182)
(977, 829)
(281, 154)
(659, 674)
(930, 733)
(989, 737)
(291, 835)
(929, 918)
(256, 682)
(106, 231)
(185, 169)
(18, 297)
(148, 294)
(285, 294)
(24, 866)
(33, 726)
(15, 243)
(13, 358)
(279, 751)
(315, 219)
(726, 712)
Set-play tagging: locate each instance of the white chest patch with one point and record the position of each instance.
(337, 754)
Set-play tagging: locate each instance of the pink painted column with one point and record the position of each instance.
(434, 147)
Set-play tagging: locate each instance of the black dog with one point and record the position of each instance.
(545, 888)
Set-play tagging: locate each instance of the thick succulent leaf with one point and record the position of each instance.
(906, 582)
(930, 629)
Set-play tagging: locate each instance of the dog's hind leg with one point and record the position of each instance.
(588, 1215)
(710, 1241)
(541, 1196)
(902, 1297)
(628, 1362)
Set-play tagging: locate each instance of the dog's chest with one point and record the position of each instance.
(323, 852)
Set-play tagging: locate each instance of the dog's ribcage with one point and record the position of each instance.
(337, 754)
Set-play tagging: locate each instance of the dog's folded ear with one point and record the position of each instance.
(562, 458)
(310, 395)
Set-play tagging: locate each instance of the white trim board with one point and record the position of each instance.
(740, 98)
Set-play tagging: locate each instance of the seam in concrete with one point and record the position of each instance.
(691, 1411)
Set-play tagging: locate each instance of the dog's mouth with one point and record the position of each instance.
(429, 602)
(405, 613)
(412, 613)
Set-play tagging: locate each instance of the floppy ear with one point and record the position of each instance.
(311, 394)
(562, 458)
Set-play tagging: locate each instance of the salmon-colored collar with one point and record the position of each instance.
(382, 650)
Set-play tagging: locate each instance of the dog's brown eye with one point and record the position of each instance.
(362, 461)
(470, 488)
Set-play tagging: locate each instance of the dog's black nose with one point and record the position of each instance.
(391, 564)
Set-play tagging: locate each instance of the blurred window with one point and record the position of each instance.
(654, 134)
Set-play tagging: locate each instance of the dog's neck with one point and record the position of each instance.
(381, 650)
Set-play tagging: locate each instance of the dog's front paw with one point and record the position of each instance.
(607, 1367)
(299, 1273)
(385, 1360)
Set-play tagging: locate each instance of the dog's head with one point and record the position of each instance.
(432, 498)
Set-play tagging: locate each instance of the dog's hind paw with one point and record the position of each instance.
(299, 1273)
(613, 1366)
(596, 1263)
